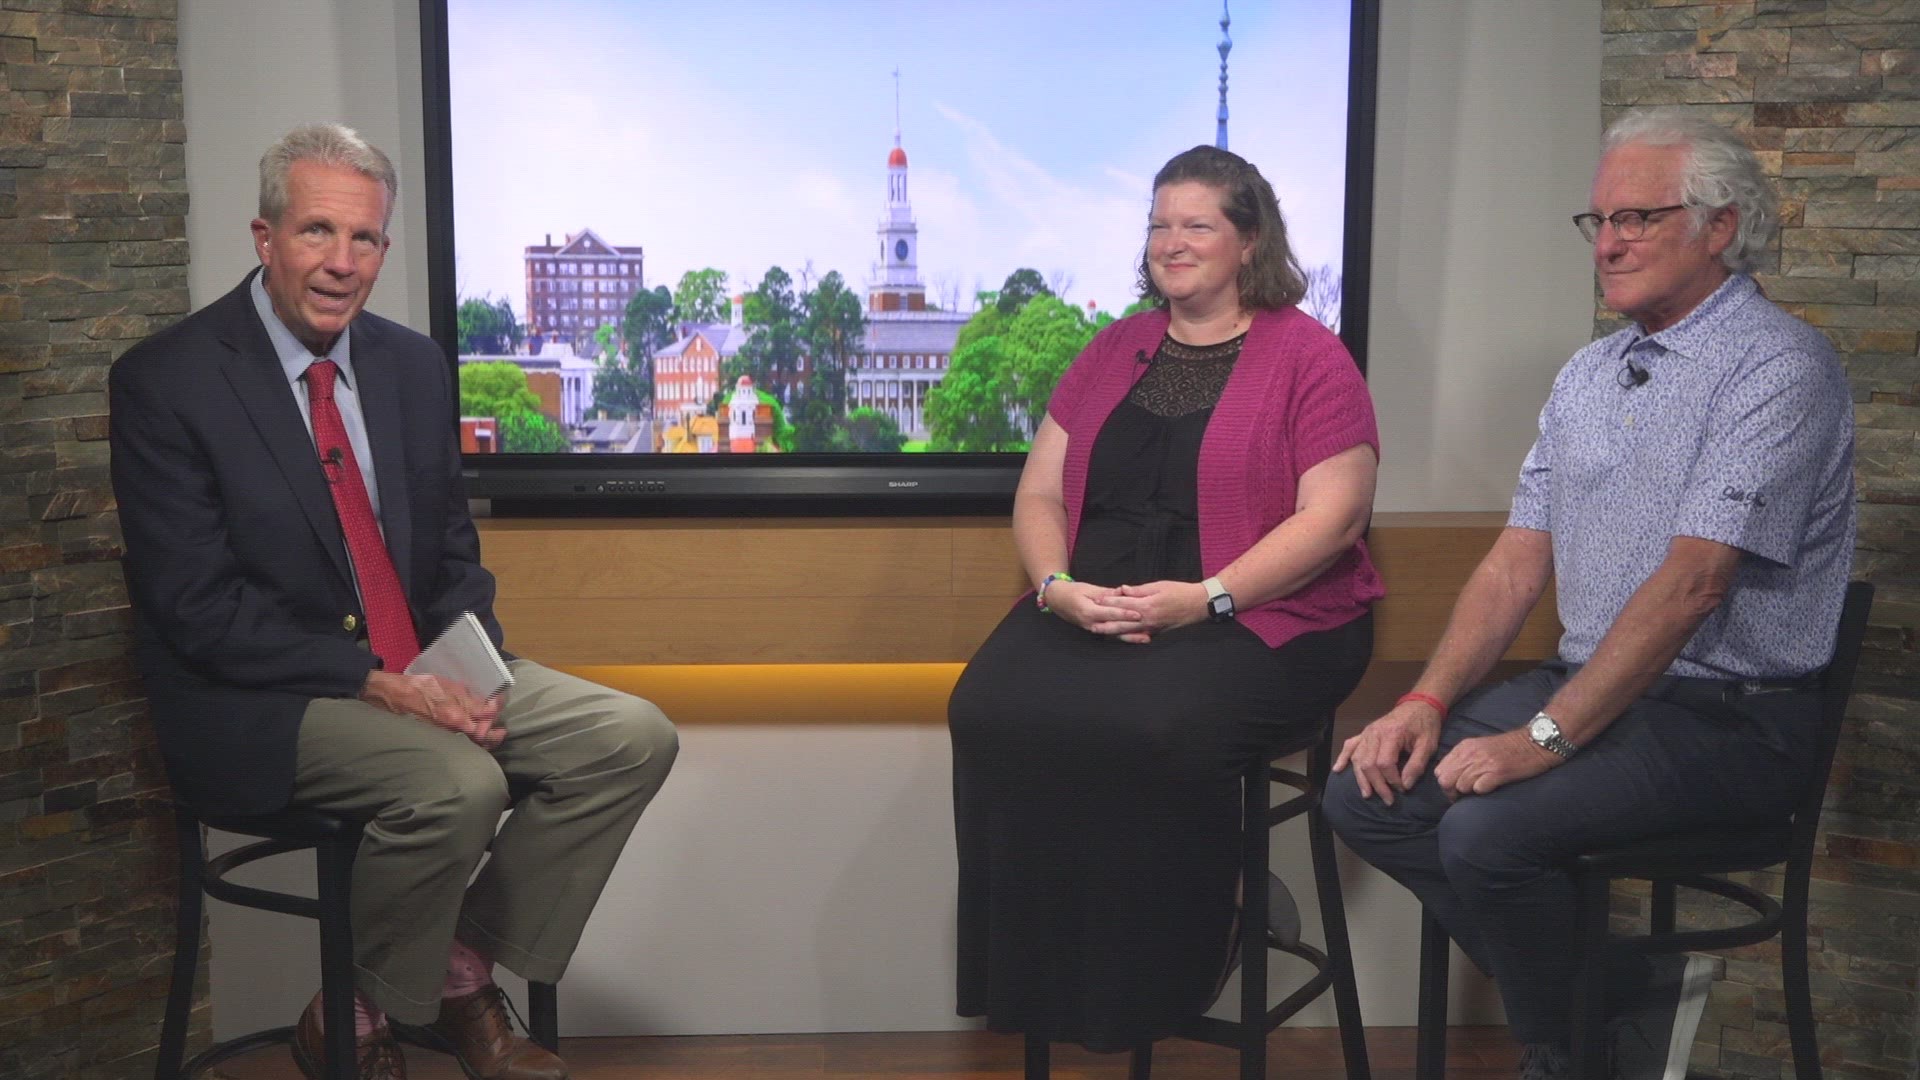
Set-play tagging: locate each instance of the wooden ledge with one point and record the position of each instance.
(598, 592)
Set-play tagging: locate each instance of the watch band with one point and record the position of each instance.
(1219, 600)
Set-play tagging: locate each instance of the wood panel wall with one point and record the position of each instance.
(860, 591)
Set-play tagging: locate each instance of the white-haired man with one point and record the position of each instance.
(289, 489)
(1690, 494)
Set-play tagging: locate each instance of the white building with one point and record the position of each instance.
(907, 346)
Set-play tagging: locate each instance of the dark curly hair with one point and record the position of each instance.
(1273, 278)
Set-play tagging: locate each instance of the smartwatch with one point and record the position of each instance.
(1545, 733)
(1219, 600)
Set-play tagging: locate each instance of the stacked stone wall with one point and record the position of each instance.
(93, 257)
(1826, 91)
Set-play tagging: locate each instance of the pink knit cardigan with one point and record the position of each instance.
(1295, 399)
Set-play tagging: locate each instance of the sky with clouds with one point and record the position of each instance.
(755, 132)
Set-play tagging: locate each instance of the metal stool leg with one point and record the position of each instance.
(1140, 1066)
(1333, 921)
(543, 1015)
(333, 864)
(1794, 981)
(1589, 989)
(1257, 797)
(1038, 1067)
(186, 948)
(1430, 1053)
(1661, 912)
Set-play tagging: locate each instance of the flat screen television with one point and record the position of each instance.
(791, 255)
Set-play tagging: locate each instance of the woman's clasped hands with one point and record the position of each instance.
(1132, 613)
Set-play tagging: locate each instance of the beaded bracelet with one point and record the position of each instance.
(1040, 594)
(1424, 699)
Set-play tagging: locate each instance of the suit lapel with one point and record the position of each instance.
(253, 370)
(380, 406)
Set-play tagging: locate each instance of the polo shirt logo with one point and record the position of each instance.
(1751, 498)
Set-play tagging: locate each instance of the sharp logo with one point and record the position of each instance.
(903, 483)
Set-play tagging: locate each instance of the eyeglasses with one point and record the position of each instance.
(1628, 225)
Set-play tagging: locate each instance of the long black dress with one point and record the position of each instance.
(1096, 783)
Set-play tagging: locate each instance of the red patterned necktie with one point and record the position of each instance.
(389, 623)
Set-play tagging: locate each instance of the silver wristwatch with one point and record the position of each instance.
(1545, 733)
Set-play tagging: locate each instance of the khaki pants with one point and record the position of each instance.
(583, 760)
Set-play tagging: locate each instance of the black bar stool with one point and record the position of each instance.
(1693, 860)
(334, 841)
(1333, 968)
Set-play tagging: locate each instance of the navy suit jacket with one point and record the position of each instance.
(235, 562)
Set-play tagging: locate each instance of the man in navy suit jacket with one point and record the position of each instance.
(252, 613)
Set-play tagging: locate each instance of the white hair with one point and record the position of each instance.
(1721, 171)
(324, 143)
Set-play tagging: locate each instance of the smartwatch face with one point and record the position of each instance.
(1220, 607)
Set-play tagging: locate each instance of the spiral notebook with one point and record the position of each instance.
(465, 654)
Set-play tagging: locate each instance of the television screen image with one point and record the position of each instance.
(826, 235)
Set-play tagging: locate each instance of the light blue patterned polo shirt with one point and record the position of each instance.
(1742, 434)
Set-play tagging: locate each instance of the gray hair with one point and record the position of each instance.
(323, 143)
(1721, 171)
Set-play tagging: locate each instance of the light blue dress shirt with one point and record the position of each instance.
(295, 359)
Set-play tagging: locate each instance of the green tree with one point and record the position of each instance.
(987, 321)
(833, 333)
(701, 297)
(499, 389)
(997, 385)
(967, 412)
(869, 431)
(623, 389)
(487, 326)
(531, 433)
(1021, 286)
(623, 383)
(771, 354)
(510, 325)
(771, 301)
(648, 324)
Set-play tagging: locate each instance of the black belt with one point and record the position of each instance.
(1810, 681)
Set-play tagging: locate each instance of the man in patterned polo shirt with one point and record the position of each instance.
(1691, 493)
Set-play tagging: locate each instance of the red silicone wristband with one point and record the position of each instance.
(1425, 699)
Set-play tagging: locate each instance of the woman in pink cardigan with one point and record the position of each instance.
(1190, 515)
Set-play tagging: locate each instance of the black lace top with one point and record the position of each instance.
(1141, 520)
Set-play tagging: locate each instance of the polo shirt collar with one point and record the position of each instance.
(1691, 335)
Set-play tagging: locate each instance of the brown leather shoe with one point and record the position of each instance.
(376, 1054)
(476, 1029)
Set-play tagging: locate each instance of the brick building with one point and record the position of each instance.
(578, 286)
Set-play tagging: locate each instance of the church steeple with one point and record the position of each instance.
(896, 284)
(1226, 46)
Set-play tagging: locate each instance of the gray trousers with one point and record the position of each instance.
(583, 760)
(1692, 753)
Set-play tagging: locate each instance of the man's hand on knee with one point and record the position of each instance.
(1390, 754)
(1487, 763)
(440, 702)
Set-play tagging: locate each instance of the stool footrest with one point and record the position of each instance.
(244, 1044)
(214, 879)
